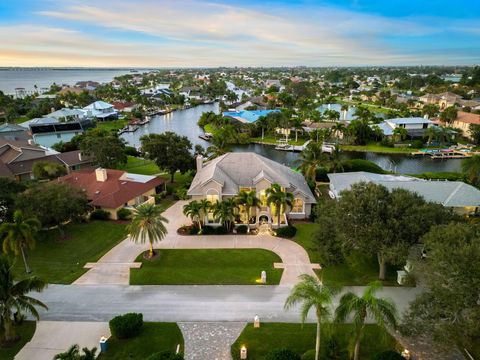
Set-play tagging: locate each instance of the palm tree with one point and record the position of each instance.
(13, 298)
(224, 211)
(335, 160)
(400, 133)
(194, 211)
(296, 124)
(471, 168)
(148, 225)
(311, 158)
(431, 133)
(280, 198)
(73, 353)
(248, 199)
(383, 311)
(344, 109)
(205, 207)
(20, 236)
(312, 294)
(338, 128)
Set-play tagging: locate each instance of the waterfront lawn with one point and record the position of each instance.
(356, 270)
(154, 337)
(141, 166)
(268, 139)
(61, 261)
(299, 339)
(26, 331)
(207, 267)
(375, 147)
(112, 125)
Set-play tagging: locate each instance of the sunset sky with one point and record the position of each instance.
(148, 33)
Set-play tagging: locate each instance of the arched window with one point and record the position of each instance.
(298, 206)
(212, 196)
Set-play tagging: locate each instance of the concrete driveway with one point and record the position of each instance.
(114, 267)
(53, 337)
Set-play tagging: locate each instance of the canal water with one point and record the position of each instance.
(184, 122)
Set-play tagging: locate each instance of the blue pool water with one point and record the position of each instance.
(248, 115)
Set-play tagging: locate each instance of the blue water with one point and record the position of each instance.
(249, 115)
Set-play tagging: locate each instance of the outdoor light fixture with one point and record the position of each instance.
(243, 353)
(406, 354)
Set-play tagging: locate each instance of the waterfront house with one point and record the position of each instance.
(50, 134)
(13, 132)
(112, 190)
(101, 111)
(415, 126)
(463, 122)
(227, 175)
(67, 114)
(461, 197)
(18, 157)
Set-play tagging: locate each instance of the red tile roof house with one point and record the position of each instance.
(112, 190)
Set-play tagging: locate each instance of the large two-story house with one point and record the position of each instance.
(229, 174)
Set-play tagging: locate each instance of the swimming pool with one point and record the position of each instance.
(248, 115)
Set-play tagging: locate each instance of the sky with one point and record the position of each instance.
(195, 33)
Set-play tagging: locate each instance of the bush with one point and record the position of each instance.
(417, 144)
(99, 214)
(286, 231)
(282, 354)
(221, 230)
(130, 150)
(389, 355)
(165, 355)
(180, 194)
(321, 174)
(362, 165)
(208, 230)
(242, 229)
(124, 214)
(449, 176)
(309, 355)
(126, 326)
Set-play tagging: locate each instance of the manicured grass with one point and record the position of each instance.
(155, 337)
(26, 331)
(61, 261)
(274, 140)
(356, 270)
(271, 336)
(112, 125)
(207, 267)
(140, 166)
(378, 148)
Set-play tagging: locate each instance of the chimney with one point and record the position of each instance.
(80, 156)
(199, 160)
(101, 174)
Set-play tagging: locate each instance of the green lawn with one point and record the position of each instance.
(140, 166)
(207, 267)
(112, 125)
(61, 261)
(374, 147)
(155, 337)
(271, 336)
(357, 269)
(26, 331)
(274, 140)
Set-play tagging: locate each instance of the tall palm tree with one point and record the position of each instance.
(13, 298)
(338, 128)
(471, 168)
(311, 158)
(225, 212)
(400, 133)
(335, 160)
(280, 198)
(194, 211)
(73, 353)
(148, 225)
(205, 207)
(20, 236)
(431, 133)
(344, 109)
(248, 199)
(383, 311)
(311, 293)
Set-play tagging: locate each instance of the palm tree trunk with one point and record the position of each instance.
(263, 133)
(356, 352)
(317, 344)
(27, 268)
(248, 219)
(382, 267)
(9, 330)
(150, 251)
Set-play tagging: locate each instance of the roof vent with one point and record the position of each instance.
(97, 192)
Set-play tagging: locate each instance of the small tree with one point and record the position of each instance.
(48, 170)
(194, 211)
(248, 199)
(280, 198)
(449, 114)
(107, 149)
(224, 211)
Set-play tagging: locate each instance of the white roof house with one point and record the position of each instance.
(415, 126)
(100, 110)
(454, 194)
(39, 121)
(67, 114)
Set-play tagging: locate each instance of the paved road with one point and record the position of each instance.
(181, 303)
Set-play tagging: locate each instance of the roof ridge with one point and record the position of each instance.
(449, 197)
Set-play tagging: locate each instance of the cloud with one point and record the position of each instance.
(200, 33)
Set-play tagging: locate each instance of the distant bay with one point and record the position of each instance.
(11, 78)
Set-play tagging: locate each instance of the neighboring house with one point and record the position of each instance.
(18, 157)
(14, 132)
(125, 106)
(461, 197)
(101, 111)
(67, 114)
(39, 121)
(415, 126)
(443, 100)
(463, 122)
(51, 134)
(227, 175)
(112, 190)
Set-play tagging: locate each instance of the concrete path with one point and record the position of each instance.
(184, 303)
(210, 340)
(53, 337)
(114, 267)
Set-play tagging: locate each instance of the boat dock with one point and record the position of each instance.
(445, 153)
(207, 136)
(284, 146)
(128, 128)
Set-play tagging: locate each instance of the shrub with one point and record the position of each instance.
(417, 144)
(165, 355)
(242, 229)
(169, 189)
(334, 351)
(309, 355)
(221, 230)
(282, 354)
(449, 176)
(180, 194)
(321, 174)
(389, 355)
(286, 231)
(99, 214)
(130, 150)
(126, 326)
(208, 230)
(362, 165)
(124, 214)
(192, 230)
